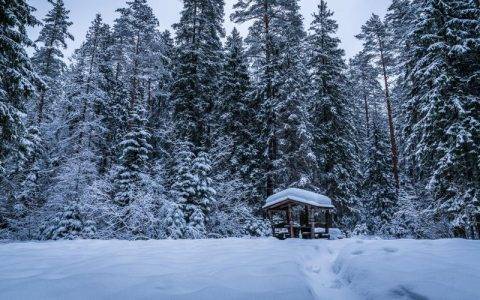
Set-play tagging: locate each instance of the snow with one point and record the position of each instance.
(299, 195)
(241, 269)
(335, 233)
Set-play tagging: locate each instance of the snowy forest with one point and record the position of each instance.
(146, 133)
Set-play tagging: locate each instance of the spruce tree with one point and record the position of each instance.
(135, 150)
(363, 77)
(296, 162)
(17, 84)
(276, 45)
(333, 134)
(204, 192)
(379, 193)
(236, 112)
(183, 190)
(442, 111)
(198, 68)
(27, 189)
(79, 129)
(237, 159)
(401, 14)
(137, 195)
(263, 48)
(69, 224)
(139, 31)
(174, 220)
(137, 64)
(48, 59)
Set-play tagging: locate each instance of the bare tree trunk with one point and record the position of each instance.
(272, 143)
(391, 127)
(367, 112)
(367, 116)
(135, 73)
(41, 104)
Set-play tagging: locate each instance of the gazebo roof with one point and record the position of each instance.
(300, 196)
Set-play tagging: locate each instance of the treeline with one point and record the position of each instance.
(145, 134)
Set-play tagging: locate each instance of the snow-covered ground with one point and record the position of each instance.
(241, 269)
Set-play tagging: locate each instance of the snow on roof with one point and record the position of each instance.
(299, 195)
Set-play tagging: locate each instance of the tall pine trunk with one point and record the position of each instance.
(272, 139)
(391, 126)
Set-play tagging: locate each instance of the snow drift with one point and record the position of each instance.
(241, 269)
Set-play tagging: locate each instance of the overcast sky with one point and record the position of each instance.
(350, 14)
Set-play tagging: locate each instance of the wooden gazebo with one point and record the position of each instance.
(310, 207)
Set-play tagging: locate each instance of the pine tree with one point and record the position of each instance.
(198, 68)
(17, 84)
(379, 193)
(137, 66)
(296, 162)
(399, 19)
(48, 62)
(333, 134)
(136, 195)
(196, 224)
(134, 159)
(174, 220)
(159, 86)
(264, 32)
(363, 77)
(377, 42)
(276, 46)
(183, 190)
(237, 162)
(236, 111)
(204, 192)
(139, 34)
(48, 59)
(79, 129)
(364, 89)
(69, 224)
(28, 194)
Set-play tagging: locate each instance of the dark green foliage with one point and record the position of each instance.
(443, 110)
(197, 69)
(332, 115)
(17, 84)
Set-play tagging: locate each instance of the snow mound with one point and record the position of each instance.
(299, 195)
(411, 269)
(241, 269)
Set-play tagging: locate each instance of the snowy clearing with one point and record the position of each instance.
(241, 269)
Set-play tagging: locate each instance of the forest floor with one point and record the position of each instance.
(241, 269)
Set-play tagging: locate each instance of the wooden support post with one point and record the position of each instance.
(271, 222)
(311, 219)
(290, 220)
(327, 221)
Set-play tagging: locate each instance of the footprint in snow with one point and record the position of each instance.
(406, 293)
(357, 252)
(337, 284)
(390, 249)
(314, 269)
